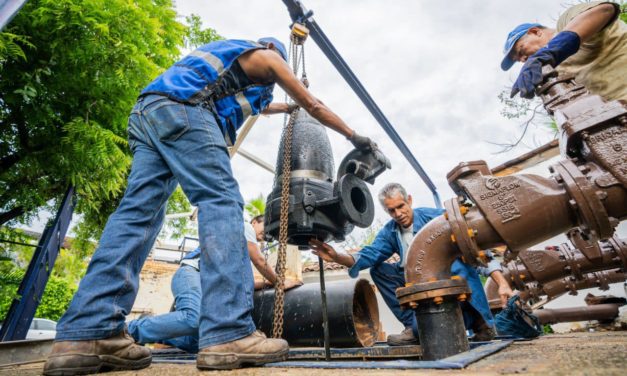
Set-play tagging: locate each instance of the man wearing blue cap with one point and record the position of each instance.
(179, 131)
(589, 41)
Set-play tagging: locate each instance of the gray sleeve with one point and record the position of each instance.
(493, 265)
(249, 233)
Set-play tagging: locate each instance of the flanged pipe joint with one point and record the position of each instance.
(319, 206)
(586, 196)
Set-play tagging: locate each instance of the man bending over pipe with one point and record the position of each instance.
(179, 131)
(396, 237)
(588, 41)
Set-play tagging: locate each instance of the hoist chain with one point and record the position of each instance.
(277, 322)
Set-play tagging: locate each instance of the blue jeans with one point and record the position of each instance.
(389, 277)
(171, 142)
(178, 328)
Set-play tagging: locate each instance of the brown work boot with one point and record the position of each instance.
(253, 350)
(115, 353)
(405, 338)
(483, 332)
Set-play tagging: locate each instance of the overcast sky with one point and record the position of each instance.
(433, 67)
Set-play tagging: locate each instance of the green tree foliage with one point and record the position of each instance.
(364, 238)
(11, 45)
(10, 245)
(70, 71)
(196, 35)
(177, 228)
(255, 206)
(54, 302)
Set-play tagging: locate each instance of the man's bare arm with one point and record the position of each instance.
(260, 263)
(278, 108)
(327, 253)
(505, 291)
(268, 66)
(591, 21)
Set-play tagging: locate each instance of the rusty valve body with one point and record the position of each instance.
(586, 196)
(554, 271)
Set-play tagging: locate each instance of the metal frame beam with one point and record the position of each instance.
(23, 307)
(8, 10)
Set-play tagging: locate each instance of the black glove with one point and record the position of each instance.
(562, 46)
(362, 142)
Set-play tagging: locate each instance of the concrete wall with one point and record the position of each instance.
(154, 295)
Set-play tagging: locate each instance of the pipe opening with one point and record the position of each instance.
(365, 313)
(358, 198)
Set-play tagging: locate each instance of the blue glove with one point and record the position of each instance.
(559, 48)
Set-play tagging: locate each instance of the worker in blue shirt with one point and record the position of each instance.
(395, 237)
(178, 132)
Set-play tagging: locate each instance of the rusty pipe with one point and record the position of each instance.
(571, 285)
(558, 287)
(431, 253)
(586, 196)
(549, 264)
(599, 312)
(433, 294)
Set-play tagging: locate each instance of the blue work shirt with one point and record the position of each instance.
(388, 242)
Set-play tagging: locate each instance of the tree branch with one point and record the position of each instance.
(11, 214)
(8, 161)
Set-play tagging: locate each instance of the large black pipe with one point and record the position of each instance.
(435, 319)
(352, 309)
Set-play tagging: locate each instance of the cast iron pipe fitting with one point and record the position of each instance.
(352, 308)
(599, 312)
(553, 289)
(320, 207)
(546, 265)
(587, 191)
(570, 285)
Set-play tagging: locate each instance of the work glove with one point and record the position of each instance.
(562, 46)
(362, 142)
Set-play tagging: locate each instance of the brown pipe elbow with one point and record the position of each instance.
(431, 253)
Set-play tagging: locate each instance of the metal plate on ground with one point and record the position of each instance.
(378, 356)
(374, 352)
(459, 361)
(22, 352)
(316, 353)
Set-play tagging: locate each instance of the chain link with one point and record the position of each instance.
(279, 294)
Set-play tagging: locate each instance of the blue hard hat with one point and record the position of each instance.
(277, 44)
(512, 38)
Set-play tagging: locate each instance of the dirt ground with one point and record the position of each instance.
(597, 353)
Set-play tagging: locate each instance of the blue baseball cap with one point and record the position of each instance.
(277, 44)
(512, 38)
